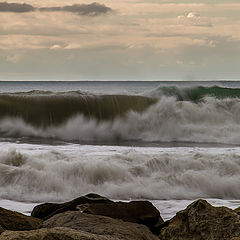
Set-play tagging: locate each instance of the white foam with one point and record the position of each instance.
(59, 173)
(211, 121)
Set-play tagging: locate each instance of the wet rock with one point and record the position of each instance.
(15, 221)
(202, 221)
(47, 210)
(100, 225)
(142, 212)
(51, 234)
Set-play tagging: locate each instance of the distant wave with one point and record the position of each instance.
(57, 175)
(208, 121)
(196, 93)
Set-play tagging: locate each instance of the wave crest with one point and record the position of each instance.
(196, 93)
(209, 121)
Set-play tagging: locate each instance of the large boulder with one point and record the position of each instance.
(100, 225)
(51, 234)
(15, 221)
(142, 212)
(202, 221)
(47, 210)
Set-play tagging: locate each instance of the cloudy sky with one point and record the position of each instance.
(120, 40)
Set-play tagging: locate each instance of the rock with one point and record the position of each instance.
(47, 210)
(1, 230)
(237, 210)
(15, 221)
(142, 212)
(202, 221)
(100, 225)
(51, 234)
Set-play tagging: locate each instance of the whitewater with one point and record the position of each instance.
(169, 143)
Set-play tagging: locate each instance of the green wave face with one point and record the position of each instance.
(45, 110)
(196, 94)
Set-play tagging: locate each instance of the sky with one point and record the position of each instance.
(120, 40)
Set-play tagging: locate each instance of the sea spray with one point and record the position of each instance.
(54, 174)
(209, 121)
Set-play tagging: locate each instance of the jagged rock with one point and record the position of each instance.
(47, 210)
(100, 225)
(142, 212)
(51, 234)
(202, 221)
(15, 221)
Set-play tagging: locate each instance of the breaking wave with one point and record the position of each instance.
(196, 93)
(58, 175)
(41, 108)
(168, 114)
(209, 121)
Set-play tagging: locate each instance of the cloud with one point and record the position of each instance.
(194, 19)
(16, 7)
(92, 9)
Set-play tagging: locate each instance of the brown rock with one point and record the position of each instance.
(100, 225)
(51, 234)
(202, 221)
(47, 210)
(237, 210)
(142, 212)
(15, 221)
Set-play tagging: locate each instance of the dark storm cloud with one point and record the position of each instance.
(93, 9)
(16, 7)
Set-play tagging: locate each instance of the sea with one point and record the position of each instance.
(167, 142)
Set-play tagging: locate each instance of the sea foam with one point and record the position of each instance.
(209, 121)
(58, 173)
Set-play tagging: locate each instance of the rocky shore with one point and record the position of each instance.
(98, 218)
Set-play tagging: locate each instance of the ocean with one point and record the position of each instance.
(166, 142)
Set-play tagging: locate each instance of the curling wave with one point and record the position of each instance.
(209, 121)
(41, 108)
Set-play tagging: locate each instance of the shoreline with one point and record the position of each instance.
(167, 208)
(93, 216)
